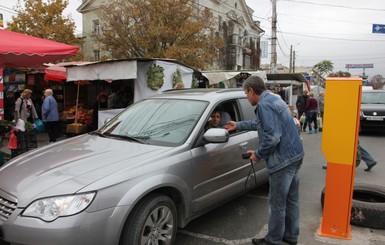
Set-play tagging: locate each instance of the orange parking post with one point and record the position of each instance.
(339, 146)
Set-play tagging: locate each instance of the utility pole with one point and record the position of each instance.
(273, 63)
(291, 58)
(294, 61)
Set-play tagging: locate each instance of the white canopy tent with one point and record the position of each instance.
(291, 82)
(216, 77)
(130, 69)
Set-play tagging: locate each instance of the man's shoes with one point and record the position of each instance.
(288, 242)
(370, 167)
(324, 166)
(260, 241)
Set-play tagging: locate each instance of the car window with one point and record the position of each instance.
(373, 98)
(166, 122)
(247, 109)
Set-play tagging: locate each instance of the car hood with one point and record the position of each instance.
(70, 165)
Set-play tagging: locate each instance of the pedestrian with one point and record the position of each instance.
(9, 106)
(301, 105)
(321, 104)
(366, 157)
(311, 113)
(281, 147)
(50, 115)
(24, 108)
(362, 154)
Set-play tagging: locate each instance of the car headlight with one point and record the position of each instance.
(49, 209)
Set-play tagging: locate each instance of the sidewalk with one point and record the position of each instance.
(42, 139)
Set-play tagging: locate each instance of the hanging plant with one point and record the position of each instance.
(155, 77)
(195, 82)
(176, 78)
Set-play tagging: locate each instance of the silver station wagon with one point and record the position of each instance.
(149, 170)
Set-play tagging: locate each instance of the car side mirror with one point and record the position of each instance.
(216, 135)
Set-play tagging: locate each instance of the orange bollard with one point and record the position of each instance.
(339, 146)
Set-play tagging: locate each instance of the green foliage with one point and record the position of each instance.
(323, 68)
(195, 82)
(377, 82)
(159, 29)
(340, 74)
(155, 77)
(176, 78)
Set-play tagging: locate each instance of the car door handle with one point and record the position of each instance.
(243, 146)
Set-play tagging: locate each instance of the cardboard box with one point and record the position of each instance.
(76, 128)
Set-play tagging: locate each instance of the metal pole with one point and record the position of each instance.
(273, 63)
(291, 58)
(294, 61)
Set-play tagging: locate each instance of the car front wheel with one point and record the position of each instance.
(153, 221)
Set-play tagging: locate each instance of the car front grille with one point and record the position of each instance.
(370, 112)
(6, 208)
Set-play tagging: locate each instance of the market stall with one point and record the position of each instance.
(146, 76)
(27, 52)
(20, 50)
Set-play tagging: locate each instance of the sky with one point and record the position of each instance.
(6, 8)
(335, 30)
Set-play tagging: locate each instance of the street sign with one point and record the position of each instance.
(378, 28)
(352, 66)
(264, 49)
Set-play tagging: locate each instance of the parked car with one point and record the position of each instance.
(372, 109)
(150, 169)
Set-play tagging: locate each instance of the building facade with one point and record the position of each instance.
(240, 32)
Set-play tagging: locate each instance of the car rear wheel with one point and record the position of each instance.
(153, 221)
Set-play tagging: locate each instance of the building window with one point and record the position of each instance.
(96, 55)
(95, 27)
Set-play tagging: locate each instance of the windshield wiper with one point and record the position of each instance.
(140, 140)
(97, 133)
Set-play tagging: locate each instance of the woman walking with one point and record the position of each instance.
(311, 113)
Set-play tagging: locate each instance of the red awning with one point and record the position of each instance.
(58, 71)
(20, 50)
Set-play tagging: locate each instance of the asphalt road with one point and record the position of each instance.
(238, 221)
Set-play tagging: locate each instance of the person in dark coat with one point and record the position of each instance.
(301, 106)
(9, 106)
(311, 113)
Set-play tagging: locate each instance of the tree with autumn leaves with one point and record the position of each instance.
(44, 19)
(175, 29)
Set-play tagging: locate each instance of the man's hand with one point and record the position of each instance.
(253, 157)
(230, 126)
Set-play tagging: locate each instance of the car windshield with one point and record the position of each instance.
(373, 98)
(166, 122)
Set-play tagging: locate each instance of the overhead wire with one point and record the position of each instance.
(336, 6)
(283, 34)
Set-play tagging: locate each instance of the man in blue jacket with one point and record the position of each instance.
(281, 147)
(50, 115)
